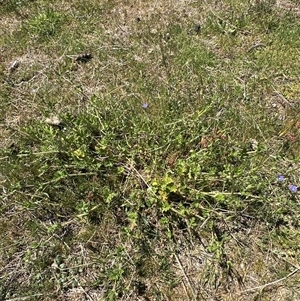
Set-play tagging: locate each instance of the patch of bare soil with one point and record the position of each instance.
(8, 24)
(289, 6)
(251, 273)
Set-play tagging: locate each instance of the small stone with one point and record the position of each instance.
(53, 121)
(253, 144)
(15, 64)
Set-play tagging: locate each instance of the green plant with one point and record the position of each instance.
(45, 24)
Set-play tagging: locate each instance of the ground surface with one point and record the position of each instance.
(149, 150)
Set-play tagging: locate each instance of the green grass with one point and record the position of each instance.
(159, 180)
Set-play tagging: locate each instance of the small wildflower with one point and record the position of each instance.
(145, 105)
(280, 178)
(293, 188)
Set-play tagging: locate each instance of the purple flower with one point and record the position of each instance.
(280, 178)
(293, 188)
(145, 105)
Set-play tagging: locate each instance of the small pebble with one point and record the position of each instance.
(15, 64)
